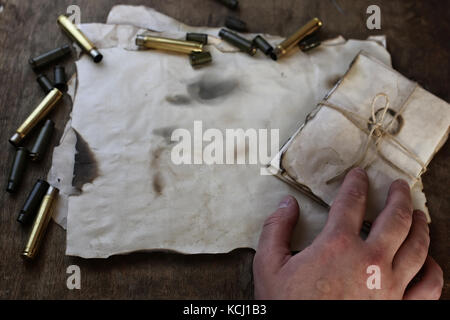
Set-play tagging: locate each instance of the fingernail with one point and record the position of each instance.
(402, 182)
(360, 170)
(286, 202)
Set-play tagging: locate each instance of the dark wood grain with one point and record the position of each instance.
(417, 35)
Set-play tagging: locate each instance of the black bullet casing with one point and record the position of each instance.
(17, 169)
(60, 78)
(232, 4)
(199, 59)
(234, 23)
(308, 45)
(49, 57)
(197, 37)
(238, 41)
(310, 42)
(44, 83)
(262, 44)
(33, 202)
(42, 140)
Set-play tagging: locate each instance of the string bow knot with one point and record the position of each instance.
(379, 132)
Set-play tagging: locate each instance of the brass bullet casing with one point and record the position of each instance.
(161, 43)
(37, 115)
(289, 43)
(40, 223)
(75, 34)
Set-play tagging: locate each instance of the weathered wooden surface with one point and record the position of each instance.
(417, 36)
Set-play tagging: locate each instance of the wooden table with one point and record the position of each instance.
(417, 37)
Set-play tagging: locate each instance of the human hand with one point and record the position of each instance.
(335, 265)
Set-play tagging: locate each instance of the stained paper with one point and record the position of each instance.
(125, 110)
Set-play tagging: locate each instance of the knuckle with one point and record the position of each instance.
(402, 216)
(423, 226)
(376, 257)
(420, 245)
(355, 195)
(343, 204)
(273, 219)
(418, 253)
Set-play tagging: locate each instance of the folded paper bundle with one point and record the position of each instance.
(373, 118)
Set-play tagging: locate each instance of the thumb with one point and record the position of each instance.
(274, 242)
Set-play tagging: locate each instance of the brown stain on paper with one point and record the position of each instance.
(209, 88)
(157, 180)
(86, 166)
(157, 183)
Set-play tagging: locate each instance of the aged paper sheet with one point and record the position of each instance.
(125, 109)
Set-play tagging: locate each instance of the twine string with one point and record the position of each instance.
(378, 133)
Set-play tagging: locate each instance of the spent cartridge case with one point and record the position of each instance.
(76, 35)
(265, 47)
(236, 40)
(33, 202)
(234, 23)
(36, 116)
(42, 140)
(290, 42)
(167, 44)
(17, 169)
(197, 37)
(49, 57)
(199, 59)
(309, 42)
(232, 4)
(44, 83)
(306, 46)
(40, 223)
(59, 78)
